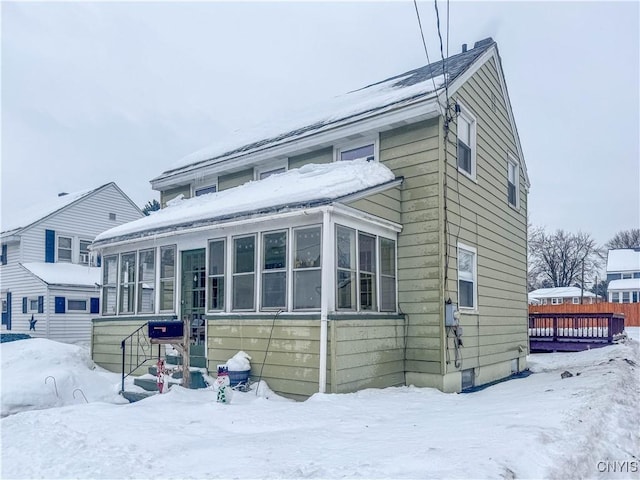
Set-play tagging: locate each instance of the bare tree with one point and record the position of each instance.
(561, 257)
(625, 239)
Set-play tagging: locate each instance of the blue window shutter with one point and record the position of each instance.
(95, 305)
(8, 310)
(49, 246)
(60, 305)
(41, 304)
(99, 261)
(4, 255)
(24, 304)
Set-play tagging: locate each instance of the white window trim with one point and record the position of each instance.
(88, 254)
(557, 301)
(512, 160)
(203, 186)
(233, 275)
(29, 300)
(86, 308)
(340, 147)
(70, 237)
(474, 251)
(575, 300)
(473, 130)
(270, 166)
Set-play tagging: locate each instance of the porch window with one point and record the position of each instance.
(626, 297)
(127, 282)
(387, 275)
(307, 277)
(64, 249)
(244, 269)
(274, 270)
(147, 281)
(216, 274)
(167, 277)
(615, 297)
(109, 284)
(346, 268)
(367, 271)
(467, 277)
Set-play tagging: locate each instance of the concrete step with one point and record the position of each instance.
(136, 396)
(151, 385)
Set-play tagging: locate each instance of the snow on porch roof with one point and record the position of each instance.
(312, 183)
(64, 273)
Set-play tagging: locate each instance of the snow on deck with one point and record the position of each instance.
(309, 183)
(64, 273)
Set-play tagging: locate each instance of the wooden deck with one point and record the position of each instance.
(571, 332)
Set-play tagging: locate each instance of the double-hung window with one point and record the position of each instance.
(244, 272)
(65, 249)
(346, 268)
(147, 281)
(365, 149)
(274, 270)
(109, 284)
(387, 275)
(367, 271)
(307, 268)
(513, 173)
(467, 277)
(167, 278)
(466, 143)
(127, 282)
(217, 259)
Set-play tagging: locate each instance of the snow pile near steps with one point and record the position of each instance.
(542, 426)
(27, 366)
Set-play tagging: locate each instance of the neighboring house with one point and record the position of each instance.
(623, 274)
(49, 280)
(560, 295)
(335, 250)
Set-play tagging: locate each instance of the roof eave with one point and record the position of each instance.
(410, 111)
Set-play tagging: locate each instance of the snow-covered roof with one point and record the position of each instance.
(624, 284)
(418, 84)
(64, 273)
(14, 219)
(560, 292)
(300, 187)
(623, 260)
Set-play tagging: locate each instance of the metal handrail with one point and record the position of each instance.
(140, 356)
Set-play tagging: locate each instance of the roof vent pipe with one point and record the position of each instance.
(62, 194)
(464, 47)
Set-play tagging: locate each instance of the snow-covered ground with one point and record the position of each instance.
(542, 426)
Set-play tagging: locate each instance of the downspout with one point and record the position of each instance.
(324, 301)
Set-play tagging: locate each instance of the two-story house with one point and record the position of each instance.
(49, 280)
(378, 242)
(623, 275)
(560, 295)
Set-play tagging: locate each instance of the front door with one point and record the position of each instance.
(6, 311)
(192, 306)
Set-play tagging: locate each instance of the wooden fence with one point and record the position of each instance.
(631, 311)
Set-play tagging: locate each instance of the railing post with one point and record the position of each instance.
(555, 328)
(610, 331)
(122, 346)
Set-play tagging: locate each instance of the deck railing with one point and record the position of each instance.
(593, 327)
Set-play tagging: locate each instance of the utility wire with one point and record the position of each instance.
(424, 44)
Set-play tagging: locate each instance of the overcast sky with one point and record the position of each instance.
(100, 92)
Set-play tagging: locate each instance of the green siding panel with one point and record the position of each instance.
(235, 179)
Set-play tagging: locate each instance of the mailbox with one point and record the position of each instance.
(162, 330)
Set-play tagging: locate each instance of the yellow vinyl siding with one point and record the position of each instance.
(235, 179)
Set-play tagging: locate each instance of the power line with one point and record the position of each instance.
(424, 44)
